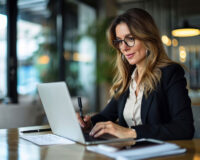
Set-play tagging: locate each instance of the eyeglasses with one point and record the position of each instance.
(129, 41)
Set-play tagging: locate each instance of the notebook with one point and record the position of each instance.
(61, 114)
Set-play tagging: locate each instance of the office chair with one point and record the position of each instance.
(196, 116)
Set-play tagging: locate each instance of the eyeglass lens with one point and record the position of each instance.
(129, 41)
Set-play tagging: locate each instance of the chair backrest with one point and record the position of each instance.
(196, 115)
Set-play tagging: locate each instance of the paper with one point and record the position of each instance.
(139, 153)
(46, 139)
(165, 153)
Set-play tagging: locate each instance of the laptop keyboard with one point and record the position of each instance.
(90, 138)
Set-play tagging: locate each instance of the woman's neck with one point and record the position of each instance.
(139, 73)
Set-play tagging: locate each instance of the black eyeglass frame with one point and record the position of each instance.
(116, 42)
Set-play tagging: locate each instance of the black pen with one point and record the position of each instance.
(80, 107)
(37, 130)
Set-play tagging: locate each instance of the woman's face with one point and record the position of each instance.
(134, 53)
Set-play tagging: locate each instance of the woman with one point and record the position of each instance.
(149, 95)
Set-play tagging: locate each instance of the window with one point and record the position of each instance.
(80, 56)
(34, 45)
(3, 42)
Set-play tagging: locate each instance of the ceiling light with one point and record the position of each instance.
(186, 31)
(166, 40)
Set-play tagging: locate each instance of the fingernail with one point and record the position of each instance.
(91, 133)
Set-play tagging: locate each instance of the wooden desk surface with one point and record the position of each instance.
(14, 148)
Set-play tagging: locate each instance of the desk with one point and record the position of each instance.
(14, 148)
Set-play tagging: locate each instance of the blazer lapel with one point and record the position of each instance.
(146, 103)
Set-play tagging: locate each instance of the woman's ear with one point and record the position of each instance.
(147, 52)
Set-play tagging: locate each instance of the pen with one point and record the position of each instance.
(36, 130)
(80, 107)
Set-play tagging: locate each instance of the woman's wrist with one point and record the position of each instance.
(132, 133)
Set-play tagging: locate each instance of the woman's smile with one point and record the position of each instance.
(129, 56)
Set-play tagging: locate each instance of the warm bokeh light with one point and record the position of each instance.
(181, 48)
(67, 56)
(182, 54)
(81, 57)
(174, 42)
(185, 32)
(166, 40)
(77, 57)
(43, 59)
(196, 156)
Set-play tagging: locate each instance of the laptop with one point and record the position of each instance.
(61, 114)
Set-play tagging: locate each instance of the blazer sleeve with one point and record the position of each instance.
(109, 113)
(180, 123)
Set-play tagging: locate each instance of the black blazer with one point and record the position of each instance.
(166, 113)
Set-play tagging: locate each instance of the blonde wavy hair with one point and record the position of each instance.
(143, 28)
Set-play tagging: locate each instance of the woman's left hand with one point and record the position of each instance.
(112, 129)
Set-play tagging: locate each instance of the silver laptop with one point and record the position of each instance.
(61, 114)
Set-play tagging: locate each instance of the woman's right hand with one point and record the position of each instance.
(85, 123)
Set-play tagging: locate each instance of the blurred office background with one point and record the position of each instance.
(65, 40)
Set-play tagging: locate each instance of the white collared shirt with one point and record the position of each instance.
(132, 109)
